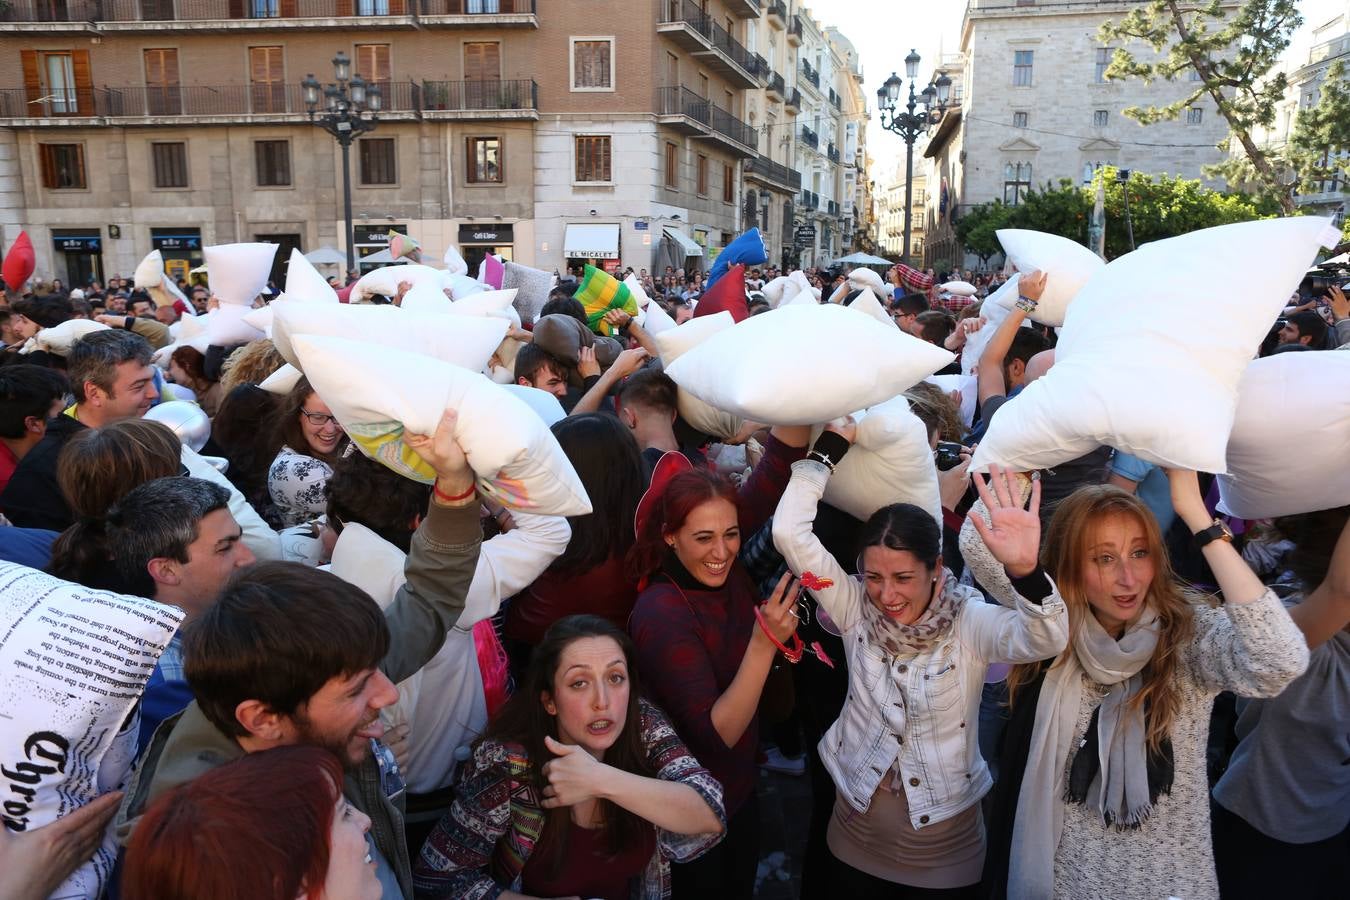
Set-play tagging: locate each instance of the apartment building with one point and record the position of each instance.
(506, 125)
(1037, 107)
(772, 183)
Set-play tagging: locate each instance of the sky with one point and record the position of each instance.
(883, 31)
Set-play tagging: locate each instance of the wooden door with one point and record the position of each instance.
(162, 94)
(268, 79)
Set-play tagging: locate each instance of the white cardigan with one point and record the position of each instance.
(935, 743)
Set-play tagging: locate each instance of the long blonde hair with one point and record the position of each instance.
(1064, 555)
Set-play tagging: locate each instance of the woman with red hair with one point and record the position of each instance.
(699, 647)
(271, 825)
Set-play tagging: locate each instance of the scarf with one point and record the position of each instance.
(1119, 787)
(895, 639)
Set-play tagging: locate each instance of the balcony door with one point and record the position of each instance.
(267, 79)
(482, 74)
(163, 97)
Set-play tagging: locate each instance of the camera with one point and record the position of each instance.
(1319, 282)
(948, 455)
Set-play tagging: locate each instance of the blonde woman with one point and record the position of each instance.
(1104, 789)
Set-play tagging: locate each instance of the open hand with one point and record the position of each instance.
(1340, 306)
(34, 863)
(628, 362)
(573, 776)
(587, 365)
(1013, 534)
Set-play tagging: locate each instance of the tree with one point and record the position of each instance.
(1064, 210)
(1232, 58)
(1321, 134)
(976, 230)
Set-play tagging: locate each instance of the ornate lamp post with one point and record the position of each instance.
(924, 110)
(350, 109)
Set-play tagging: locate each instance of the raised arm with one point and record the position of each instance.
(628, 362)
(1326, 610)
(990, 382)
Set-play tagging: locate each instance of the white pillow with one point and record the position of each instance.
(261, 319)
(467, 341)
(1067, 264)
(149, 271)
(282, 380)
(674, 343)
(889, 462)
(376, 392)
(994, 310)
(1154, 347)
(866, 279)
(426, 298)
(1286, 454)
(385, 281)
(868, 304)
(238, 272)
(542, 402)
(776, 290)
(959, 288)
(968, 385)
(802, 365)
(59, 338)
(462, 286)
(73, 664)
(656, 320)
(225, 326)
(454, 263)
(497, 304)
(304, 283)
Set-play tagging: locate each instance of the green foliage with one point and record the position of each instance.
(1161, 206)
(1321, 133)
(1233, 56)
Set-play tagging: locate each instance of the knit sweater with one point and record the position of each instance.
(1253, 649)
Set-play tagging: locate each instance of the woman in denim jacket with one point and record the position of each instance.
(903, 753)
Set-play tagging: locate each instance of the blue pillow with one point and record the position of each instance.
(748, 248)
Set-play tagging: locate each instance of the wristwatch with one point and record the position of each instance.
(1219, 531)
(1026, 304)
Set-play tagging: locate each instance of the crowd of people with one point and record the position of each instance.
(1078, 682)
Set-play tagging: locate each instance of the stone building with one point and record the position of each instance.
(1038, 108)
(507, 125)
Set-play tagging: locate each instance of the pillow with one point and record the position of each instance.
(994, 310)
(542, 402)
(747, 249)
(865, 279)
(261, 319)
(532, 289)
(600, 292)
(59, 338)
(454, 263)
(962, 288)
(282, 380)
(1067, 264)
(868, 304)
(968, 385)
(377, 392)
(73, 664)
(467, 341)
(149, 271)
(1286, 453)
(304, 283)
(239, 272)
(491, 272)
(677, 341)
(889, 462)
(426, 298)
(462, 286)
(656, 320)
(19, 263)
(400, 245)
(1154, 347)
(802, 365)
(562, 337)
(225, 326)
(385, 281)
(497, 304)
(728, 295)
(775, 290)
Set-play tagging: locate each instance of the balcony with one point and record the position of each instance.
(744, 9)
(810, 200)
(686, 111)
(794, 32)
(811, 76)
(686, 24)
(832, 208)
(809, 138)
(176, 16)
(793, 101)
(49, 15)
(832, 153)
(730, 58)
(776, 175)
(835, 100)
(262, 103)
(477, 13)
(777, 87)
(776, 13)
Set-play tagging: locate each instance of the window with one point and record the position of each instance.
(378, 161)
(1022, 68)
(265, 9)
(1194, 115)
(1104, 55)
(169, 161)
(372, 7)
(703, 86)
(485, 160)
(672, 166)
(702, 175)
(592, 64)
(63, 166)
(1016, 182)
(483, 61)
(268, 79)
(58, 82)
(1020, 120)
(372, 64)
(1100, 118)
(162, 95)
(729, 186)
(593, 158)
(672, 70)
(273, 162)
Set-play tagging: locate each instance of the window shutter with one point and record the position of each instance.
(398, 8)
(84, 82)
(344, 7)
(482, 61)
(32, 81)
(48, 168)
(236, 9)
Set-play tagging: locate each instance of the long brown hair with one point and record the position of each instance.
(1064, 554)
(288, 430)
(523, 720)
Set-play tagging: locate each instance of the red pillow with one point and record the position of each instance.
(727, 294)
(19, 263)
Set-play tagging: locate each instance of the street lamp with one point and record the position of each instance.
(924, 110)
(347, 109)
(1123, 176)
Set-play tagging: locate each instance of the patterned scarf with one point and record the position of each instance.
(908, 640)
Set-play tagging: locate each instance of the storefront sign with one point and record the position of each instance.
(83, 243)
(177, 243)
(487, 234)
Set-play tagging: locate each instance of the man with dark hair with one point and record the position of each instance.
(537, 368)
(647, 405)
(111, 378)
(29, 396)
(362, 490)
(292, 655)
(934, 325)
(906, 310)
(1307, 328)
(561, 302)
(176, 543)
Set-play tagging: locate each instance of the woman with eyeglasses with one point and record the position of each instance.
(311, 440)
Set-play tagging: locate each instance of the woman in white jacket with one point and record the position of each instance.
(903, 753)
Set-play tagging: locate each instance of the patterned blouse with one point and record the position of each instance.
(495, 820)
(296, 483)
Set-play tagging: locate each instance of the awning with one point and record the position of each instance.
(686, 243)
(591, 241)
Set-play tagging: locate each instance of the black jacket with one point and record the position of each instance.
(33, 499)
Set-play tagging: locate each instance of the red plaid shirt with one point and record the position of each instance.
(914, 279)
(953, 303)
